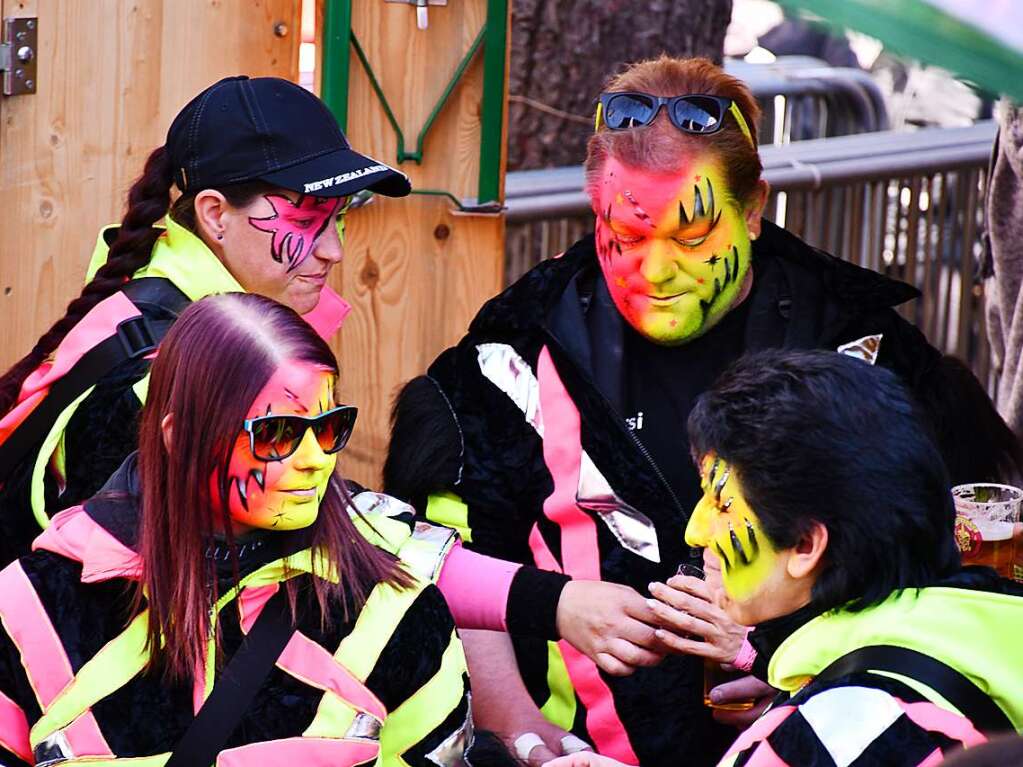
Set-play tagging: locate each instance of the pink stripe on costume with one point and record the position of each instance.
(765, 756)
(476, 588)
(760, 729)
(328, 314)
(42, 654)
(98, 325)
(562, 452)
(312, 663)
(75, 535)
(14, 729)
(85, 737)
(46, 664)
(307, 752)
(251, 602)
(936, 719)
(935, 758)
(580, 556)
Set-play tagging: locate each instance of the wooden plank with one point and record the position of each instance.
(112, 74)
(414, 273)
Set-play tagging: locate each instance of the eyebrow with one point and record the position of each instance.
(704, 208)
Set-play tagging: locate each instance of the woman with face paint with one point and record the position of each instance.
(122, 623)
(566, 399)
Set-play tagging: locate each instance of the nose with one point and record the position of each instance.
(698, 531)
(309, 456)
(328, 247)
(658, 266)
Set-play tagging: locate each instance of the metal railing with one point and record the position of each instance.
(909, 205)
(803, 98)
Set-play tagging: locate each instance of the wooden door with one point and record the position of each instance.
(415, 271)
(111, 76)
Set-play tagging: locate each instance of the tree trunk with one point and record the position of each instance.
(564, 50)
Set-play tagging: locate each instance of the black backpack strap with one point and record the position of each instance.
(135, 338)
(250, 665)
(949, 683)
(157, 291)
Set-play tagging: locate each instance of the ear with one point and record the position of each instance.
(210, 209)
(754, 207)
(167, 426)
(808, 553)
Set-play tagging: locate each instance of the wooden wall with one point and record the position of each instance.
(414, 272)
(112, 74)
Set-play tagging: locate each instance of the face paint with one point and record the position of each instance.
(674, 248)
(283, 495)
(724, 523)
(295, 225)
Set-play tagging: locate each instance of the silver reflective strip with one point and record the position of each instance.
(372, 504)
(425, 551)
(505, 368)
(451, 752)
(866, 348)
(631, 527)
(365, 727)
(53, 750)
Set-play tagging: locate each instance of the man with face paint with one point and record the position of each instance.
(553, 433)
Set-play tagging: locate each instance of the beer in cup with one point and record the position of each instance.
(986, 520)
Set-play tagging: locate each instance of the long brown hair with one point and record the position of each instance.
(661, 146)
(212, 364)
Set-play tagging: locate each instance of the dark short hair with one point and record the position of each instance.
(818, 436)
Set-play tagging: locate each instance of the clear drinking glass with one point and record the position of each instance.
(986, 522)
(715, 673)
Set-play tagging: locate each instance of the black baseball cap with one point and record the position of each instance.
(269, 129)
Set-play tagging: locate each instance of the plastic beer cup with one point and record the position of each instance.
(714, 673)
(986, 520)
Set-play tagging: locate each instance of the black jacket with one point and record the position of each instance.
(475, 442)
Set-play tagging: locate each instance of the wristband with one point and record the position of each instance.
(533, 597)
(745, 657)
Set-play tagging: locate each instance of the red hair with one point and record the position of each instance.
(660, 147)
(209, 395)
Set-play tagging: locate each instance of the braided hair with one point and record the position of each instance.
(148, 201)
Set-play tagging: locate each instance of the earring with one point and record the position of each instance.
(220, 236)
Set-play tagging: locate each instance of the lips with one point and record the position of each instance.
(320, 278)
(666, 300)
(301, 491)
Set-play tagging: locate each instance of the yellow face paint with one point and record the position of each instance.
(724, 523)
(674, 248)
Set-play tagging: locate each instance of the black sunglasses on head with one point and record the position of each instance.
(276, 437)
(691, 113)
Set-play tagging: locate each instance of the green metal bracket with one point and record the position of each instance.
(335, 63)
(339, 41)
(492, 129)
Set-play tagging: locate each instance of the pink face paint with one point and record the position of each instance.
(286, 494)
(673, 247)
(295, 225)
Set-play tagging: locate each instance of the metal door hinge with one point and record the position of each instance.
(19, 52)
